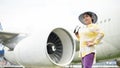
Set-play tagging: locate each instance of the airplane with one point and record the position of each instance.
(40, 32)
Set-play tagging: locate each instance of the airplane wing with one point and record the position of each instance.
(7, 35)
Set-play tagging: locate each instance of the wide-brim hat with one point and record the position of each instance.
(93, 15)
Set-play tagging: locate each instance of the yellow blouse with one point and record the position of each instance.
(91, 33)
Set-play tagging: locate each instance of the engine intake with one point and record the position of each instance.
(60, 46)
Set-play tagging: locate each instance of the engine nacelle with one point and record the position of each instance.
(44, 49)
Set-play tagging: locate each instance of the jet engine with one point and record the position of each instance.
(46, 48)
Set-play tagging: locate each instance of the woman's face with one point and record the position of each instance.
(87, 19)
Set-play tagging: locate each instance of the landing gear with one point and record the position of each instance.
(118, 62)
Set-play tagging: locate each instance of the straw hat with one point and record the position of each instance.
(91, 14)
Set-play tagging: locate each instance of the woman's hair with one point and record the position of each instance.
(90, 14)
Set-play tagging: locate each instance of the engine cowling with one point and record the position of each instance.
(55, 47)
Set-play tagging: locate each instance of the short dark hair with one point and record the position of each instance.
(90, 14)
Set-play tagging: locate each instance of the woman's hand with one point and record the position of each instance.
(90, 43)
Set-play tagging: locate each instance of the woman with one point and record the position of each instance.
(89, 37)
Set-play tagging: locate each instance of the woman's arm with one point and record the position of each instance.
(98, 38)
(76, 31)
(77, 35)
(96, 41)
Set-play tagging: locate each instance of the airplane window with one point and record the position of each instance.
(100, 21)
(109, 19)
(105, 20)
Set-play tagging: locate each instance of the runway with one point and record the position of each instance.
(94, 66)
(107, 64)
(70, 66)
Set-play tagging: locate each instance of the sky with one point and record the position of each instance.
(24, 15)
(27, 13)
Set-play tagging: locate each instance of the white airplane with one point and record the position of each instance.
(40, 32)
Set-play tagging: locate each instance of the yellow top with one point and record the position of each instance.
(91, 33)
